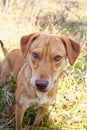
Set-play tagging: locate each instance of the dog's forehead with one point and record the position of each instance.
(49, 41)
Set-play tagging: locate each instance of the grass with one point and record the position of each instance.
(69, 111)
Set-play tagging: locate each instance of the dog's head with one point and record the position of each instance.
(47, 56)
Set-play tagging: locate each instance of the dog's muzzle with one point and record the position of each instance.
(41, 85)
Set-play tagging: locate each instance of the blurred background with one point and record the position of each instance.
(67, 17)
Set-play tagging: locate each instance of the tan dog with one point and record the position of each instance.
(46, 56)
(11, 64)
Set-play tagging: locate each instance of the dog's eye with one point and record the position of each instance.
(57, 58)
(35, 55)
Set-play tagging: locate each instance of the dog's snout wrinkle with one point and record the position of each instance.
(41, 84)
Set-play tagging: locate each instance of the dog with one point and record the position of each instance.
(12, 63)
(45, 58)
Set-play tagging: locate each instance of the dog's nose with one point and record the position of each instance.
(41, 85)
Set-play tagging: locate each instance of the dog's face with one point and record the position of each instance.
(47, 56)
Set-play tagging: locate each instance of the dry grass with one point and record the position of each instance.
(69, 112)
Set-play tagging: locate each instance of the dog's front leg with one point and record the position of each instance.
(40, 114)
(19, 117)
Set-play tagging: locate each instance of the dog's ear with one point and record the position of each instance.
(26, 41)
(72, 48)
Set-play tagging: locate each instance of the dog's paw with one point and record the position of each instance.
(24, 129)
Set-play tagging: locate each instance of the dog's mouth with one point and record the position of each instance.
(41, 89)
